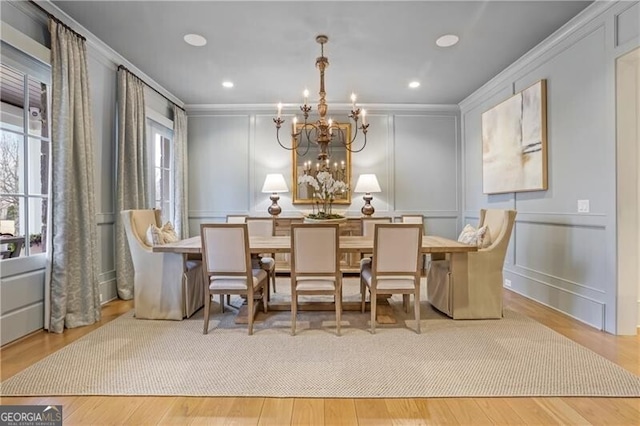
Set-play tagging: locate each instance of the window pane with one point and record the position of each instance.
(11, 163)
(38, 166)
(166, 153)
(157, 150)
(37, 107)
(158, 184)
(37, 225)
(12, 97)
(166, 185)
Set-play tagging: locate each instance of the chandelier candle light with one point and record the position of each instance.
(324, 131)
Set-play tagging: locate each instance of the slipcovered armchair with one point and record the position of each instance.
(473, 289)
(166, 285)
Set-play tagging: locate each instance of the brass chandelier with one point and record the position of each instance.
(323, 132)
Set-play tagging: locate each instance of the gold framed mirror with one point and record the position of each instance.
(307, 163)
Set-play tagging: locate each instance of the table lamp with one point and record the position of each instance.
(367, 183)
(274, 183)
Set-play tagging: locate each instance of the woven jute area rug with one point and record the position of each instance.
(514, 356)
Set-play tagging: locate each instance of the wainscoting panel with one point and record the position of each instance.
(21, 305)
(219, 162)
(426, 162)
(570, 256)
(628, 25)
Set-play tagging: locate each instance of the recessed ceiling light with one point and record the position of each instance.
(414, 84)
(195, 40)
(227, 84)
(447, 40)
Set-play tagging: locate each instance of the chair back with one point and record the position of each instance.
(225, 249)
(136, 223)
(369, 223)
(236, 218)
(396, 249)
(261, 226)
(499, 226)
(314, 249)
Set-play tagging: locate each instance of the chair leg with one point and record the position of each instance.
(273, 256)
(265, 298)
(228, 300)
(250, 306)
(363, 295)
(207, 305)
(338, 298)
(405, 302)
(374, 302)
(416, 307)
(222, 302)
(294, 312)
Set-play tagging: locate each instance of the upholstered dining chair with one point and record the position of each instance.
(476, 293)
(367, 227)
(237, 218)
(417, 218)
(165, 285)
(227, 267)
(315, 266)
(264, 227)
(394, 268)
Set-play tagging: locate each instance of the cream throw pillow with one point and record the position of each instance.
(157, 236)
(477, 237)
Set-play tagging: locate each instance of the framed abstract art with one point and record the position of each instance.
(514, 143)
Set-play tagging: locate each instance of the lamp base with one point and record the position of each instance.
(367, 209)
(274, 209)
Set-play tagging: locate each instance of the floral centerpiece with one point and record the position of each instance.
(325, 189)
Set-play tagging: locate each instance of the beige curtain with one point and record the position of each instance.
(131, 170)
(73, 290)
(181, 173)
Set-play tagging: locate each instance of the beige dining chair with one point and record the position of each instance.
(476, 293)
(264, 227)
(237, 218)
(417, 218)
(164, 285)
(227, 267)
(367, 226)
(315, 266)
(394, 268)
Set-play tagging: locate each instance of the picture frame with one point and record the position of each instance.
(339, 163)
(514, 143)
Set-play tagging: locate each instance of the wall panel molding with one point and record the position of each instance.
(569, 303)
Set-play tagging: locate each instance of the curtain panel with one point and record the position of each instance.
(181, 173)
(72, 281)
(131, 170)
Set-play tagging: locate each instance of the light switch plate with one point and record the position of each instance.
(583, 206)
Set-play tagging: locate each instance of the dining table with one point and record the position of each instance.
(438, 247)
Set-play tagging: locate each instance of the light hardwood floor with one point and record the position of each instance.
(93, 410)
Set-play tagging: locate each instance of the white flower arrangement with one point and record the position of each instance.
(325, 189)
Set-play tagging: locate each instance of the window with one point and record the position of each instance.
(160, 142)
(24, 154)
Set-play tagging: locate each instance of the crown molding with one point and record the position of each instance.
(536, 53)
(101, 47)
(294, 108)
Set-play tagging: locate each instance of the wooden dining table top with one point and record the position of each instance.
(348, 244)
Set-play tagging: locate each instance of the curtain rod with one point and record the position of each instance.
(50, 15)
(149, 86)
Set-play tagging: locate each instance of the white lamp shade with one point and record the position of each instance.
(367, 183)
(274, 182)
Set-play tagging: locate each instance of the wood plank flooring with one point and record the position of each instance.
(94, 410)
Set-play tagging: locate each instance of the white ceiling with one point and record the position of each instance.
(268, 48)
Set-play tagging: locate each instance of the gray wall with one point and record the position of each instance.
(414, 151)
(557, 256)
(22, 280)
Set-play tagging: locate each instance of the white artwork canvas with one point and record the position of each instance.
(514, 143)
